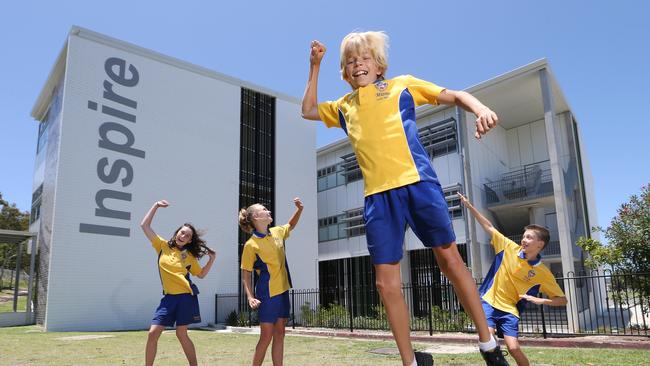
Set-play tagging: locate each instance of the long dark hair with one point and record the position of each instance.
(196, 246)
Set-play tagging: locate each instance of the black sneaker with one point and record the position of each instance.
(495, 357)
(423, 359)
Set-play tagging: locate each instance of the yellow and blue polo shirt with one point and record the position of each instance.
(512, 275)
(264, 253)
(379, 120)
(175, 266)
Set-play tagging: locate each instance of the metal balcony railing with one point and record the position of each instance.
(530, 182)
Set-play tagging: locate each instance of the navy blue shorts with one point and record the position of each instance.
(502, 321)
(421, 205)
(182, 309)
(271, 309)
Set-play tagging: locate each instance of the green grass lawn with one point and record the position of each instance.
(7, 301)
(30, 346)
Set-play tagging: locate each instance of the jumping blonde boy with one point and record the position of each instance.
(400, 185)
(517, 275)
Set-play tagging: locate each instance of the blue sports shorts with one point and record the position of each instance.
(182, 309)
(271, 309)
(502, 321)
(421, 205)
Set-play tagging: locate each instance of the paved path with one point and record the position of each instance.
(615, 342)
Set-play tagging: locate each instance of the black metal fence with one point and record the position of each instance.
(599, 303)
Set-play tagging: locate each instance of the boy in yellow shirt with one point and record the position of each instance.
(400, 184)
(517, 275)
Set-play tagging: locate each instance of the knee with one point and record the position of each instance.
(265, 338)
(278, 333)
(450, 263)
(514, 347)
(181, 334)
(154, 334)
(389, 287)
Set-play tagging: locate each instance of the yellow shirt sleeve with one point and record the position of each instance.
(423, 92)
(286, 231)
(550, 286)
(500, 242)
(195, 266)
(329, 113)
(158, 242)
(248, 257)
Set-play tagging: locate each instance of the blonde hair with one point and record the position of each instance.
(376, 42)
(246, 218)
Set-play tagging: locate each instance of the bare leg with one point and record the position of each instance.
(266, 334)
(389, 285)
(453, 267)
(186, 343)
(515, 350)
(152, 344)
(277, 349)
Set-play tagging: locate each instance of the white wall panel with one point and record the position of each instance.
(538, 135)
(525, 145)
(513, 149)
(291, 158)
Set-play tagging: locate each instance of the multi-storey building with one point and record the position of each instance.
(121, 127)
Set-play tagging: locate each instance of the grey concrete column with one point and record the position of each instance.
(536, 216)
(566, 252)
(472, 243)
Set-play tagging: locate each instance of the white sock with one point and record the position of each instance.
(487, 346)
(414, 363)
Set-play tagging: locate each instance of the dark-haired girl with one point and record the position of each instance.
(178, 257)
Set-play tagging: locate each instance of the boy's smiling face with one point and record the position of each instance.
(361, 69)
(531, 244)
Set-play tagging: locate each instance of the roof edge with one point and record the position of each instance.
(173, 61)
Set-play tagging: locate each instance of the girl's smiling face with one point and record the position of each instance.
(184, 236)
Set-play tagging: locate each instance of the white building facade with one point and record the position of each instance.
(121, 127)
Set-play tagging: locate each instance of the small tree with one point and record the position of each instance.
(628, 243)
(11, 218)
(628, 237)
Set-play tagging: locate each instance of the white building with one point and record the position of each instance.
(531, 169)
(121, 127)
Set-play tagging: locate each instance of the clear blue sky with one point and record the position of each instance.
(599, 52)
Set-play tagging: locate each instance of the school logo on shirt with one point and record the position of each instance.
(381, 90)
(530, 275)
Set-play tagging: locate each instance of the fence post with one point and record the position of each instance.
(429, 303)
(351, 308)
(216, 312)
(293, 310)
(17, 285)
(541, 308)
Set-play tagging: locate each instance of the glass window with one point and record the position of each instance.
(453, 201)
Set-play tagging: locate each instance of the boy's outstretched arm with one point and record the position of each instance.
(310, 99)
(293, 221)
(486, 119)
(487, 225)
(554, 301)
